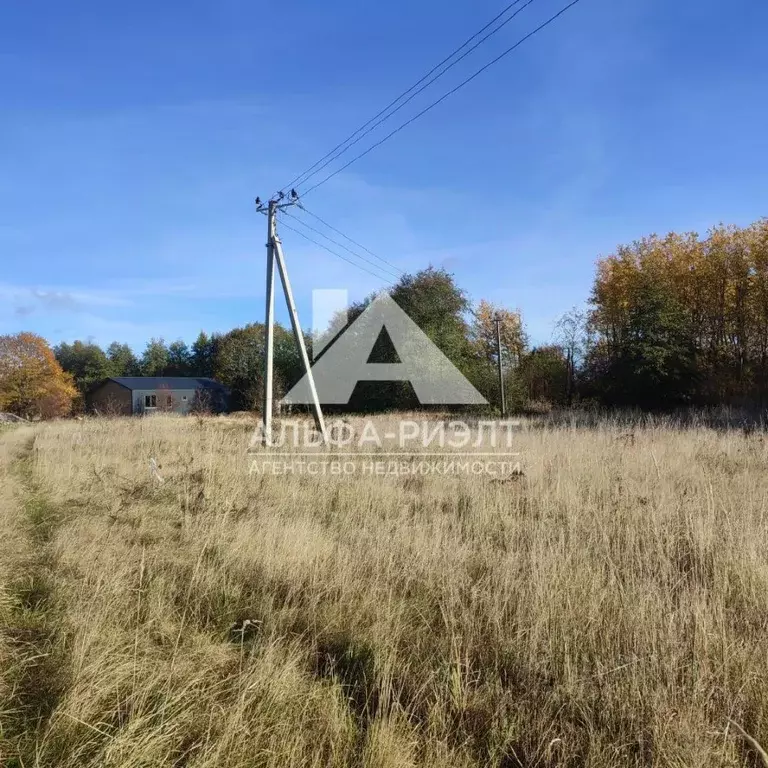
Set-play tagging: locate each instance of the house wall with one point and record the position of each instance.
(110, 399)
(182, 400)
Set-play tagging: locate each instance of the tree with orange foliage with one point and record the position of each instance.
(683, 318)
(483, 333)
(32, 383)
(482, 336)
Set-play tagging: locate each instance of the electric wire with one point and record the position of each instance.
(326, 248)
(341, 245)
(385, 114)
(444, 97)
(405, 93)
(354, 242)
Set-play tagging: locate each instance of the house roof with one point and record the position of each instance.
(167, 382)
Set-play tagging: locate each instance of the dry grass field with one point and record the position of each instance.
(608, 608)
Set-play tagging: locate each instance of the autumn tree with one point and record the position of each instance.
(238, 365)
(689, 311)
(32, 382)
(482, 335)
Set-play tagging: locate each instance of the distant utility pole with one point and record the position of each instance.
(275, 253)
(497, 320)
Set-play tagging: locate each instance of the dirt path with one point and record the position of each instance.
(30, 672)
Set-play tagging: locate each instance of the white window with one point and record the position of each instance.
(184, 398)
(150, 401)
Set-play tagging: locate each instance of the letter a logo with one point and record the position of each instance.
(435, 379)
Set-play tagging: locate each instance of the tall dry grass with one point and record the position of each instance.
(609, 608)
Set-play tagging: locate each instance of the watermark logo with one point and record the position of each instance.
(344, 363)
(498, 469)
(384, 445)
(387, 446)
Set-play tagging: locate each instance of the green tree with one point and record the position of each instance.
(154, 361)
(239, 364)
(85, 361)
(653, 365)
(179, 359)
(438, 306)
(203, 354)
(543, 373)
(122, 361)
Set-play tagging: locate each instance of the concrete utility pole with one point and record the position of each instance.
(275, 253)
(497, 320)
(269, 328)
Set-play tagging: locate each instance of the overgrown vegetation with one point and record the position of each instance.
(673, 321)
(608, 607)
(683, 319)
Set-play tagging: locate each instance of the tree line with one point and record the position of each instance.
(681, 320)
(671, 321)
(430, 297)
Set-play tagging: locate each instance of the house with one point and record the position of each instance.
(132, 395)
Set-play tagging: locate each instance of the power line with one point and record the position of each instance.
(385, 114)
(445, 96)
(354, 242)
(326, 248)
(341, 245)
(405, 93)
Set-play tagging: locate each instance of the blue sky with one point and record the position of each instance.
(134, 138)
